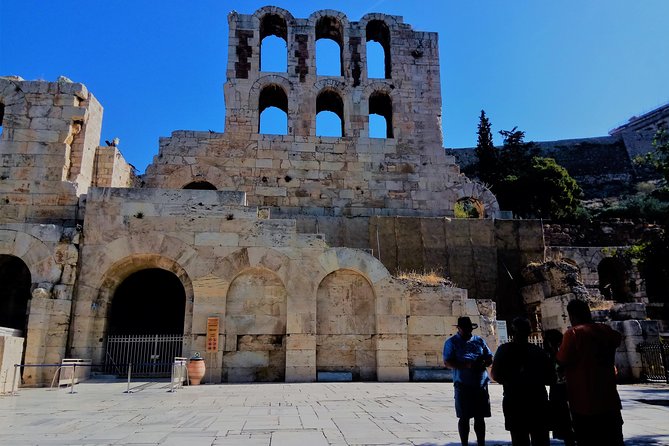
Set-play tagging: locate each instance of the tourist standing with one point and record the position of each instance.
(468, 355)
(559, 419)
(524, 370)
(587, 354)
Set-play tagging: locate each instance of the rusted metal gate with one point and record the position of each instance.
(150, 355)
(655, 361)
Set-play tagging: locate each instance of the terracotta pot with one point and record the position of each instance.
(196, 371)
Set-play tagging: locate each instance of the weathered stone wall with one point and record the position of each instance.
(406, 173)
(111, 170)
(640, 131)
(598, 234)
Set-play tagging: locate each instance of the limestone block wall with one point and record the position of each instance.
(628, 359)
(112, 170)
(406, 173)
(639, 132)
(47, 148)
(289, 306)
(51, 253)
(11, 350)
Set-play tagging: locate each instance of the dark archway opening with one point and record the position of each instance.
(150, 301)
(2, 115)
(273, 44)
(200, 185)
(381, 104)
(329, 28)
(273, 100)
(15, 285)
(613, 280)
(329, 101)
(377, 31)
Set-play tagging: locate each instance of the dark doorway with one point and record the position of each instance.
(150, 301)
(14, 292)
(200, 185)
(613, 278)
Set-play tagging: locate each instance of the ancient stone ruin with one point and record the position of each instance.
(278, 257)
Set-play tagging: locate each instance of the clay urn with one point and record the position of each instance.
(196, 369)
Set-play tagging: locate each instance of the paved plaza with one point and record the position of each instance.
(100, 413)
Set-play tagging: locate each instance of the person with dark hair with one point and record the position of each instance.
(524, 370)
(468, 355)
(559, 417)
(587, 354)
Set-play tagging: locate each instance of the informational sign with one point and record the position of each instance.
(212, 334)
(502, 334)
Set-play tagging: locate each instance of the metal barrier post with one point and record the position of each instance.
(74, 371)
(14, 380)
(129, 372)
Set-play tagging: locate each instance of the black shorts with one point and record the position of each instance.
(472, 401)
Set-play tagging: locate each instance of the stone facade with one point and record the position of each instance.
(259, 252)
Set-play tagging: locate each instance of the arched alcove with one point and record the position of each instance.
(15, 283)
(381, 105)
(329, 101)
(273, 110)
(379, 64)
(346, 325)
(2, 115)
(329, 47)
(469, 207)
(613, 279)
(273, 43)
(200, 185)
(255, 328)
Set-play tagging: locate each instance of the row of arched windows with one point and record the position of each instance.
(329, 46)
(273, 113)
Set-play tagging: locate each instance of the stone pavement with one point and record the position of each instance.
(276, 414)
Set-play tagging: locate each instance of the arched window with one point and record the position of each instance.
(273, 44)
(380, 110)
(200, 185)
(273, 111)
(329, 47)
(469, 207)
(329, 107)
(378, 41)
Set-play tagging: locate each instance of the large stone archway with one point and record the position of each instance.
(15, 284)
(255, 327)
(346, 325)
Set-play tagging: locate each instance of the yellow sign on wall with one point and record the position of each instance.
(212, 334)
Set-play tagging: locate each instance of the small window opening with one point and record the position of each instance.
(469, 207)
(380, 116)
(273, 44)
(200, 185)
(273, 111)
(329, 114)
(377, 31)
(2, 115)
(329, 45)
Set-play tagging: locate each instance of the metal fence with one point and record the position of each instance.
(150, 355)
(655, 361)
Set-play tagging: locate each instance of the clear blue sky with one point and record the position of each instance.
(556, 69)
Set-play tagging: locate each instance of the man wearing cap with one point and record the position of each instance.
(468, 355)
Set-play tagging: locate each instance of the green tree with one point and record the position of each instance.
(488, 163)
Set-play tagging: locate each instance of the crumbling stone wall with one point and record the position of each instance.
(405, 173)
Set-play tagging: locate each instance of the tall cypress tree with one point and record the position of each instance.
(488, 162)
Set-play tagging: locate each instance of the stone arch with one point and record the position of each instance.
(469, 207)
(380, 103)
(272, 95)
(200, 185)
(195, 173)
(477, 191)
(273, 21)
(330, 100)
(37, 256)
(273, 10)
(346, 325)
(334, 25)
(352, 259)
(290, 107)
(377, 30)
(255, 327)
